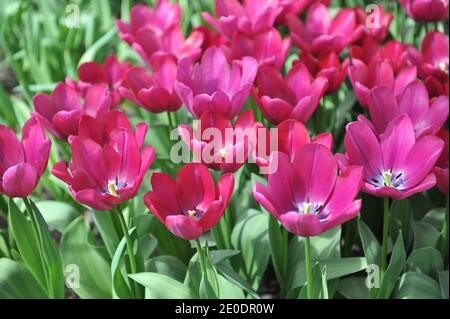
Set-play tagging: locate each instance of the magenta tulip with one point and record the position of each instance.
(61, 111)
(396, 164)
(218, 143)
(321, 34)
(190, 205)
(22, 163)
(376, 22)
(294, 97)
(153, 92)
(426, 117)
(102, 176)
(441, 168)
(308, 196)
(251, 17)
(214, 85)
(426, 10)
(111, 73)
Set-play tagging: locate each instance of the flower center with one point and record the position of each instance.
(112, 188)
(192, 213)
(308, 208)
(223, 152)
(443, 66)
(387, 179)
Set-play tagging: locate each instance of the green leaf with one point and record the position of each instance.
(167, 265)
(16, 282)
(78, 248)
(394, 270)
(415, 285)
(57, 214)
(162, 287)
(120, 287)
(227, 272)
(371, 247)
(427, 260)
(401, 219)
(354, 288)
(425, 235)
(109, 228)
(278, 249)
(443, 282)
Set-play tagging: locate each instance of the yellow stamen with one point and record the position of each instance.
(112, 188)
(387, 176)
(223, 152)
(442, 66)
(192, 213)
(307, 208)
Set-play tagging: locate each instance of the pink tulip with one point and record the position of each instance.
(61, 111)
(441, 168)
(158, 30)
(22, 163)
(364, 78)
(426, 117)
(268, 48)
(426, 10)
(294, 97)
(328, 66)
(111, 73)
(214, 85)
(321, 34)
(251, 17)
(190, 205)
(290, 136)
(153, 92)
(376, 29)
(436, 87)
(396, 164)
(308, 196)
(221, 145)
(104, 175)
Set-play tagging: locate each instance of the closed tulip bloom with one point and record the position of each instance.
(308, 196)
(321, 34)
(22, 163)
(61, 111)
(251, 17)
(213, 84)
(376, 22)
(222, 146)
(396, 164)
(441, 168)
(191, 204)
(158, 30)
(102, 176)
(426, 117)
(426, 10)
(364, 78)
(111, 73)
(294, 97)
(155, 91)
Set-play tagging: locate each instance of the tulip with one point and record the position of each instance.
(376, 22)
(158, 30)
(328, 66)
(321, 34)
(290, 135)
(294, 7)
(210, 37)
(214, 85)
(102, 176)
(268, 48)
(61, 111)
(22, 163)
(111, 73)
(384, 107)
(294, 97)
(396, 164)
(426, 10)
(251, 17)
(364, 78)
(222, 146)
(441, 168)
(153, 92)
(191, 204)
(436, 87)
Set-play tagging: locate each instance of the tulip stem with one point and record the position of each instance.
(201, 256)
(384, 246)
(128, 242)
(309, 275)
(171, 126)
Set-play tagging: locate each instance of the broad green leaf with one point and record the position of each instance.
(394, 270)
(354, 288)
(120, 287)
(167, 265)
(162, 287)
(443, 282)
(109, 227)
(415, 285)
(371, 247)
(425, 235)
(401, 219)
(229, 290)
(278, 238)
(57, 214)
(16, 282)
(427, 260)
(227, 272)
(78, 248)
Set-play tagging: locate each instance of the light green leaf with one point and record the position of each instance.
(394, 270)
(415, 285)
(162, 287)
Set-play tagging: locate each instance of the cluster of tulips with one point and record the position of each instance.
(397, 149)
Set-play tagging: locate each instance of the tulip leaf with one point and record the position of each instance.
(78, 249)
(227, 271)
(415, 285)
(354, 288)
(120, 287)
(443, 282)
(16, 282)
(371, 247)
(167, 265)
(161, 286)
(278, 238)
(109, 228)
(425, 235)
(57, 214)
(401, 219)
(394, 270)
(427, 260)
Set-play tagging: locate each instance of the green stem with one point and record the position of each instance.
(201, 256)
(171, 126)
(309, 275)
(384, 246)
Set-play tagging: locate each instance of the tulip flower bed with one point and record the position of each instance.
(233, 149)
